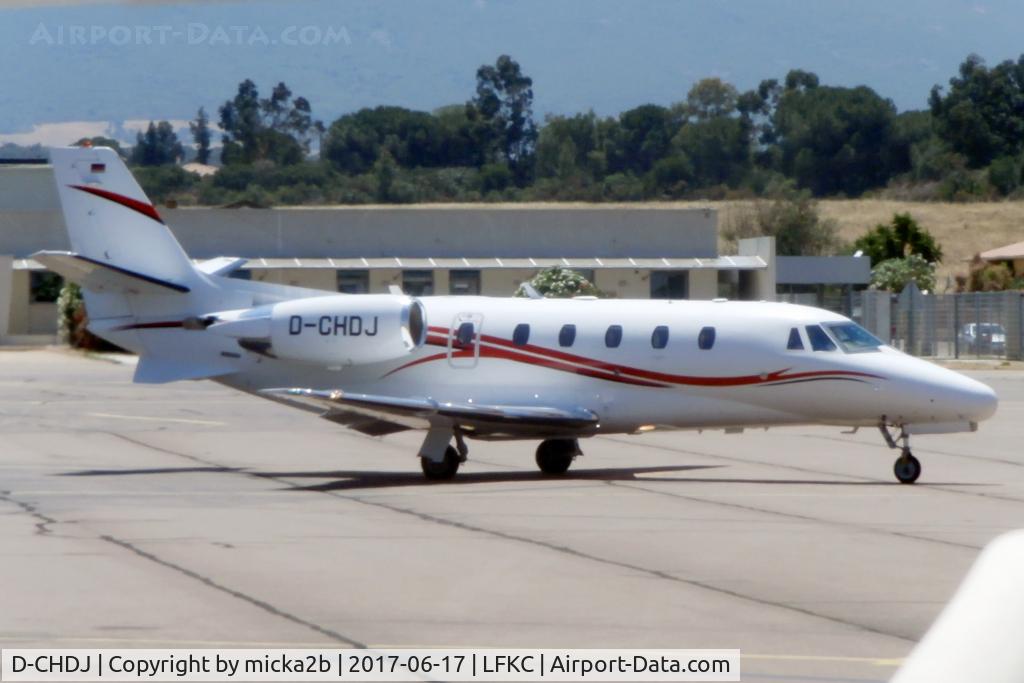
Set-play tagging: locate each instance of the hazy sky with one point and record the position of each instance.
(104, 64)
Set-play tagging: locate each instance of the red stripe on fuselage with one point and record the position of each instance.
(145, 209)
(622, 372)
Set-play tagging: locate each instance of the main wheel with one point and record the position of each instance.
(555, 455)
(446, 469)
(907, 468)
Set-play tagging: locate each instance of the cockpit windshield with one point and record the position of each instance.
(853, 338)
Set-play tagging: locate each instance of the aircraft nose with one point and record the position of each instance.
(976, 401)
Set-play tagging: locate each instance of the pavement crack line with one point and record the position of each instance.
(244, 597)
(555, 547)
(205, 580)
(43, 522)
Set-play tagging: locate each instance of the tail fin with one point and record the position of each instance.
(110, 220)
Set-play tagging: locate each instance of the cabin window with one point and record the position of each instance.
(567, 335)
(706, 338)
(613, 337)
(795, 343)
(464, 337)
(521, 335)
(659, 338)
(853, 338)
(819, 340)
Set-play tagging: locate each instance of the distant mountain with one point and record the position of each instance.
(116, 63)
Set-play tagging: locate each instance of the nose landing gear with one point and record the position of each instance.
(907, 468)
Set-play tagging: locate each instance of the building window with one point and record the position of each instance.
(819, 340)
(659, 338)
(464, 282)
(795, 343)
(521, 335)
(354, 281)
(613, 337)
(44, 286)
(418, 282)
(669, 284)
(728, 284)
(706, 338)
(567, 335)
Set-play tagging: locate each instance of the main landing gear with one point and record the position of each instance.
(440, 460)
(555, 455)
(907, 468)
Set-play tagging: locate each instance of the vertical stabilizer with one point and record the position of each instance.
(109, 218)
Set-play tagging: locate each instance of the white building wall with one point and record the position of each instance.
(703, 284)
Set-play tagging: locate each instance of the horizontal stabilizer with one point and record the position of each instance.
(222, 265)
(422, 413)
(97, 276)
(152, 370)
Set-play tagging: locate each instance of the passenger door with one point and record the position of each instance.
(464, 340)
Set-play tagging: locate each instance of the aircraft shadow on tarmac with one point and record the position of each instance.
(351, 480)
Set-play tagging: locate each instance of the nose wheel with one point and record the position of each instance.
(907, 468)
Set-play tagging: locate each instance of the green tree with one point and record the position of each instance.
(278, 128)
(834, 140)
(560, 283)
(504, 99)
(575, 146)
(718, 150)
(158, 146)
(412, 138)
(894, 274)
(1005, 173)
(200, 128)
(982, 114)
(711, 98)
(899, 238)
(643, 136)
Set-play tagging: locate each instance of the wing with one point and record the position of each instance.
(377, 415)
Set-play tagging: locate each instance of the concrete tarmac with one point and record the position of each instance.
(189, 515)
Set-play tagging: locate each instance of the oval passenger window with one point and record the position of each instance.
(613, 337)
(706, 338)
(567, 336)
(659, 338)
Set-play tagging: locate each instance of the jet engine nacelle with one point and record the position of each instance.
(330, 330)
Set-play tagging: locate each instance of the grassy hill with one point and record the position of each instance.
(962, 229)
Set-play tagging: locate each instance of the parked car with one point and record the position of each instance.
(988, 338)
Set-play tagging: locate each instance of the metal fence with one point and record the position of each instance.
(969, 325)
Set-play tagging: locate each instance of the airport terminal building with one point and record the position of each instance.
(639, 250)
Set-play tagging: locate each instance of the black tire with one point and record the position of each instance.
(554, 456)
(907, 468)
(444, 470)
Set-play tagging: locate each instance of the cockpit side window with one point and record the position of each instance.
(819, 340)
(795, 343)
(853, 338)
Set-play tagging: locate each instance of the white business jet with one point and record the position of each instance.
(470, 367)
